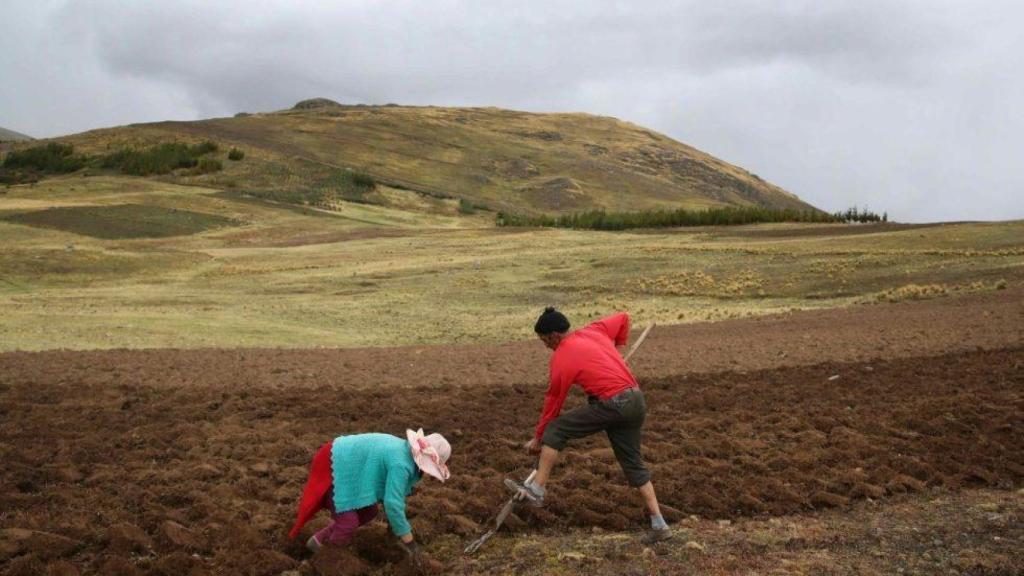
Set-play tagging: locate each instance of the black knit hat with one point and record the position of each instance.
(551, 321)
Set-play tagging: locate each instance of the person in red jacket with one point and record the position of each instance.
(615, 406)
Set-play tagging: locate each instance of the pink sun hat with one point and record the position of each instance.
(430, 453)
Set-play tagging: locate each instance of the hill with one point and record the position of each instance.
(487, 157)
(12, 136)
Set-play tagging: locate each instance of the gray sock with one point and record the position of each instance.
(658, 523)
(537, 490)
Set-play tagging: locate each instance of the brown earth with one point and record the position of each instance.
(989, 320)
(937, 532)
(191, 462)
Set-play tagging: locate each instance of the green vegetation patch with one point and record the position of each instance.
(601, 220)
(727, 216)
(122, 221)
(334, 186)
(29, 164)
(163, 158)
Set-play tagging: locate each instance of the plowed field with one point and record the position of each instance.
(107, 471)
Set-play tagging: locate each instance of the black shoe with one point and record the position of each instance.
(654, 535)
(527, 492)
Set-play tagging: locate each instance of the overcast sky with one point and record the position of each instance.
(914, 108)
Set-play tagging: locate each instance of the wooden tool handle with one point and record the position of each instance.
(639, 341)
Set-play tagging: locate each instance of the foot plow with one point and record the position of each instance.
(499, 519)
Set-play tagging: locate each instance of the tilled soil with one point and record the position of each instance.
(990, 320)
(967, 532)
(116, 463)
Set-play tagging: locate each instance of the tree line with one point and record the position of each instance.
(726, 216)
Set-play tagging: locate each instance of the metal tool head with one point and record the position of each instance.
(499, 519)
(476, 544)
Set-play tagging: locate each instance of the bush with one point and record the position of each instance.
(208, 166)
(466, 207)
(53, 158)
(235, 154)
(161, 159)
(912, 292)
(202, 148)
(363, 180)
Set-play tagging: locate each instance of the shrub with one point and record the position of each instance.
(162, 158)
(55, 158)
(912, 292)
(159, 159)
(466, 207)
(363, 180)
(202, 148)
(235, 154)
(208, 166)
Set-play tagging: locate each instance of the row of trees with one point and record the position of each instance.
(862, 215)
(729, 216)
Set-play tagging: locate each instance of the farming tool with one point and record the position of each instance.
(518, 497)
(499, 519)
(639, 341)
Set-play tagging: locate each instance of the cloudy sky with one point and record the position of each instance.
(910, 107)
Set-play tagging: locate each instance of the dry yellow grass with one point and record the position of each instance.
(373, 276)
(503, 159)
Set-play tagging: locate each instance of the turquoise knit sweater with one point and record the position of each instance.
(371, 468)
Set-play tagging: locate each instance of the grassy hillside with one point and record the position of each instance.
(499, 159)
(106, 262)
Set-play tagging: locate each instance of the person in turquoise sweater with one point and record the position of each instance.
(350, 475)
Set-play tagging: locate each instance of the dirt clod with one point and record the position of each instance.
(338, 561)
(179, 536)
(126, 538)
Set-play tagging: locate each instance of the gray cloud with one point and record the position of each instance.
(909, 107)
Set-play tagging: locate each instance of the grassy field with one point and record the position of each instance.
(254, 273)
(120, 221)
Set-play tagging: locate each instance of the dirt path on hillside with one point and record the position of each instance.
(860, 333)
(121, 468)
